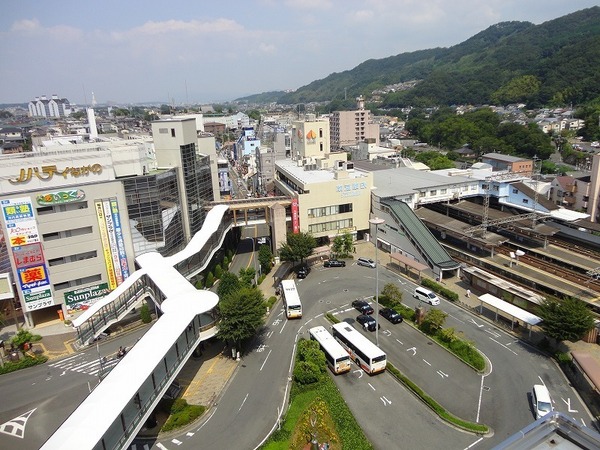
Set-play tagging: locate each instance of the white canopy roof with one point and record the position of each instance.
(510, 309)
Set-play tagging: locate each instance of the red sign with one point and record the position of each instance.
(295, 217)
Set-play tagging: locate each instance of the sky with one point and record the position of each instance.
(205, 51)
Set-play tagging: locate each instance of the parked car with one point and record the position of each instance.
(302, 272)
(542, 404)
(362, 306)
(368, 322)
(425, 295)
(334, 263)
(366, 262)
(391, 314)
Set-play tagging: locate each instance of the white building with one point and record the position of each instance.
(53, 107)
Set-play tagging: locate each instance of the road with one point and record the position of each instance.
(37, 400)
(387, 412)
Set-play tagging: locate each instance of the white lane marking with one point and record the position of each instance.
(284, 324)
(162, 447)
(479, 402)
(265, 361)
(399, 342)
(244, 401)
(474, 443)
(502, 345)
(176, 441)
(426, 362)
(371, 386)
(456, 318)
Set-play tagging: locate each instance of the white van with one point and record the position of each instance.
(425, 295)
(542, 404)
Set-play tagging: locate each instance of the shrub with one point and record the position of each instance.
(448, 335)
(23, 336)
(28, 361)
(210, 280)
(271, 301)
(262, 278)
(225, 263)
(306, 372)
(145, 314)
(563, 358)
(218, 271)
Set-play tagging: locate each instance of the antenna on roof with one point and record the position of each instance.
(84, 96)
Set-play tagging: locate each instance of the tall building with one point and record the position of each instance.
(331, 197)
(49, 107)
(74, 216)
(352, 127)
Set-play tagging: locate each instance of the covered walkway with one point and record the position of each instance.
(514, 312)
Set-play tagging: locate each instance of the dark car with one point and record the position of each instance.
(368, 322)
(302, 272)
(335, 263)
(362, 306)
(391, 314)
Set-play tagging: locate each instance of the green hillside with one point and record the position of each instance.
(552, 63)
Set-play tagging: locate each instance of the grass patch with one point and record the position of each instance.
(181, 414)
(26, 361)
(464, 351)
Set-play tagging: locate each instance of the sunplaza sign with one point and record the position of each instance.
(87, 294)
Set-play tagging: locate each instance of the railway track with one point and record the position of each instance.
(584, 251)
(555, 269)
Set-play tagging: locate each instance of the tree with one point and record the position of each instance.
(434, 321)
(297, 247)
(229, 283)
(21, 338)
(265, 258)
(247, 276)
(342, 244)
(242, 315)
(392, 293)
(567, 319)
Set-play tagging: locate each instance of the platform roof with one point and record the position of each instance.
(510, 309)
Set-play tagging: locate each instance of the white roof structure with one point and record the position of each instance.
(510, 309)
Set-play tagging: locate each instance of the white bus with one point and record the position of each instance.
(337, 357)
(366, 354)
(291, 299)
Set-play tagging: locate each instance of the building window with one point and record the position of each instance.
(525, 201)
(515, 191)
(172, 132)
(433, 192)
(321, 146)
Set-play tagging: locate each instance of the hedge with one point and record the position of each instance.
(27, 361)
(439, 289)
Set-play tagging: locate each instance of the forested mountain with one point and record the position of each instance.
(555, 62)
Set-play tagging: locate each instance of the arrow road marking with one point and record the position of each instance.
(385, 401)
(16, 427)
(493, 333)
(412, 349)
(476, 324)
(387, 332)
(360, 373)
(568, 403)
(442, 374)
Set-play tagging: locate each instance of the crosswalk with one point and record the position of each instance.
(85, 364)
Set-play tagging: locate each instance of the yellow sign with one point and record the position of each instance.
(46, 173)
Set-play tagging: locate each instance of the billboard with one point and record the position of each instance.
(23, 238)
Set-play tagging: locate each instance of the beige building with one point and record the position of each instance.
(352, 127)
(332, 196)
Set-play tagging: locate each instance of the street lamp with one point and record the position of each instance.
(376, 221)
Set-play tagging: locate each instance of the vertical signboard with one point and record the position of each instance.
(114, 208)
(23, 238)
(295, 217)
(112, 240)
(108, 261)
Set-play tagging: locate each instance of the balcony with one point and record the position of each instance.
(572, 188)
